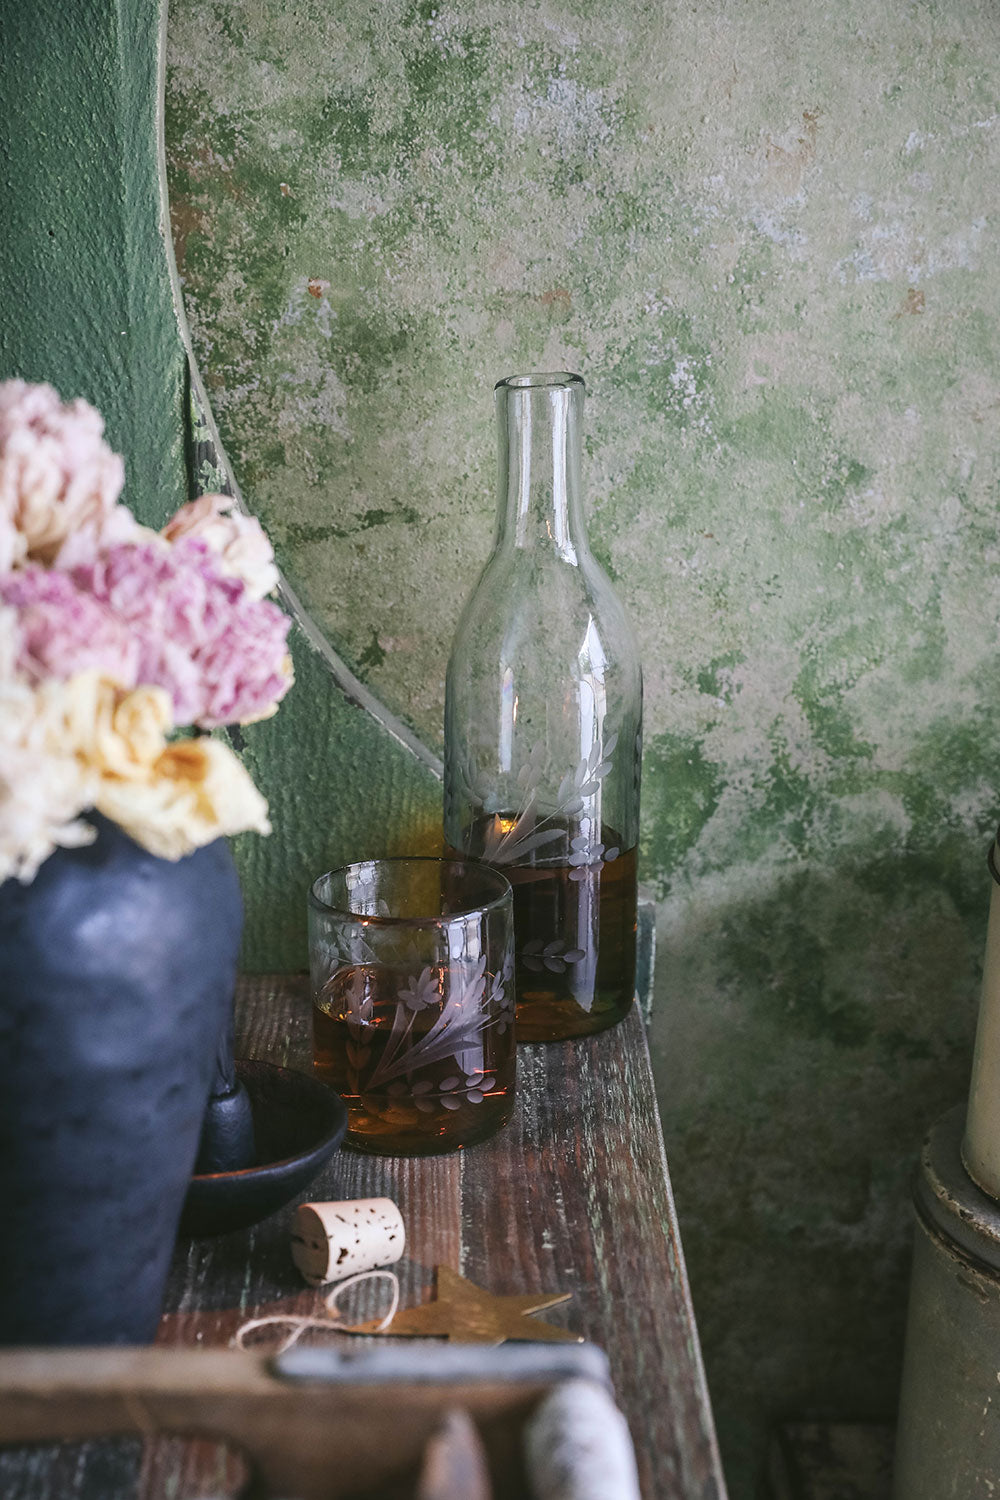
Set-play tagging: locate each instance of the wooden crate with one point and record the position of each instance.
(313, 1424)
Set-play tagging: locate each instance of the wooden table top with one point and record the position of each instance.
(573, 1196)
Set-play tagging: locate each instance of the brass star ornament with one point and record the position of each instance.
(471, 1315)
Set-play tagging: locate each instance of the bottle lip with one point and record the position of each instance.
(542, 380)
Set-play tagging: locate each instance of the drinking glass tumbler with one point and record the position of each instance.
(412, 964)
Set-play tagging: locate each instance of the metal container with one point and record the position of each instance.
(981, 1144)
(948, 1439)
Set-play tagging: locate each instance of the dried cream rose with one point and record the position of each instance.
(44, 786)
(124, 735)
(111, 732)
(85, 743)
(59, 479)
(236, 539)
(10, 643)
(196, 792)
(170, 798)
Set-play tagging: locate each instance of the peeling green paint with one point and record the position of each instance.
(87, 304)
(338, 789)
(680, 792)
(86, 301)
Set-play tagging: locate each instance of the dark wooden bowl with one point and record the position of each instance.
(299, 1123)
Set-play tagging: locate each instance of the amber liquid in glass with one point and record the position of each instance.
(422, 1067)
(574, 939)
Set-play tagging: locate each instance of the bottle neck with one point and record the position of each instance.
(539, 422)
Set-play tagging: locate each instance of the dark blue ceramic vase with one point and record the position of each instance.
(117, 972)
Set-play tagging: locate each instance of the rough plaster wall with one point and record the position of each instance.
(86, 303)
(766, 233)
(85, 299)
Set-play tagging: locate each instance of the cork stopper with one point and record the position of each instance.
(333, 1240)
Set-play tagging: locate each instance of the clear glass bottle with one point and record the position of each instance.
(543, 726)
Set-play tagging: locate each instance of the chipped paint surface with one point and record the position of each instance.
(768, 239)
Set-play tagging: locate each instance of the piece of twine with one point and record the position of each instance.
(299, 1323)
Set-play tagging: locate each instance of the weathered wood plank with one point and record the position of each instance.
(573, 1196)
(581, 1176)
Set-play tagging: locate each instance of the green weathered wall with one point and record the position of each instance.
(766, 233)
(87, 303)
(85, 299)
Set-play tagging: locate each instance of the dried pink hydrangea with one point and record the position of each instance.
(63, 630)
(238, 540)
(58, 477)
(110, 633)
(220, 655)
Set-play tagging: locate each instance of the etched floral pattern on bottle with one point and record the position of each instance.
(543, 727)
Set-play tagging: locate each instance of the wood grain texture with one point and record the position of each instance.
(573, 1196)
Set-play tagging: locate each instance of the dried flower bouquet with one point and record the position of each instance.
(112, 638)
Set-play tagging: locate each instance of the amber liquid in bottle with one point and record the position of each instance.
(543, 725)
(409, 1090)
(574, 938)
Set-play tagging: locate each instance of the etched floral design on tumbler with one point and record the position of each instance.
(412, 967)
(543, 726)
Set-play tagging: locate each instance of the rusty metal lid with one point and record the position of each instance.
(948, 1200)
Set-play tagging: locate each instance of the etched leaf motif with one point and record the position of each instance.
(472, 1087)
(421, 992)
(456, 1032)
(531, 956)
(354, 948)
(355, 999)
(566, 787)
(531, 772)
(581, 783)
(537, 956)
(586, 857)
(510, 839)
(501, 996)
(465, 991)
(472, 785)
(505, 846)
